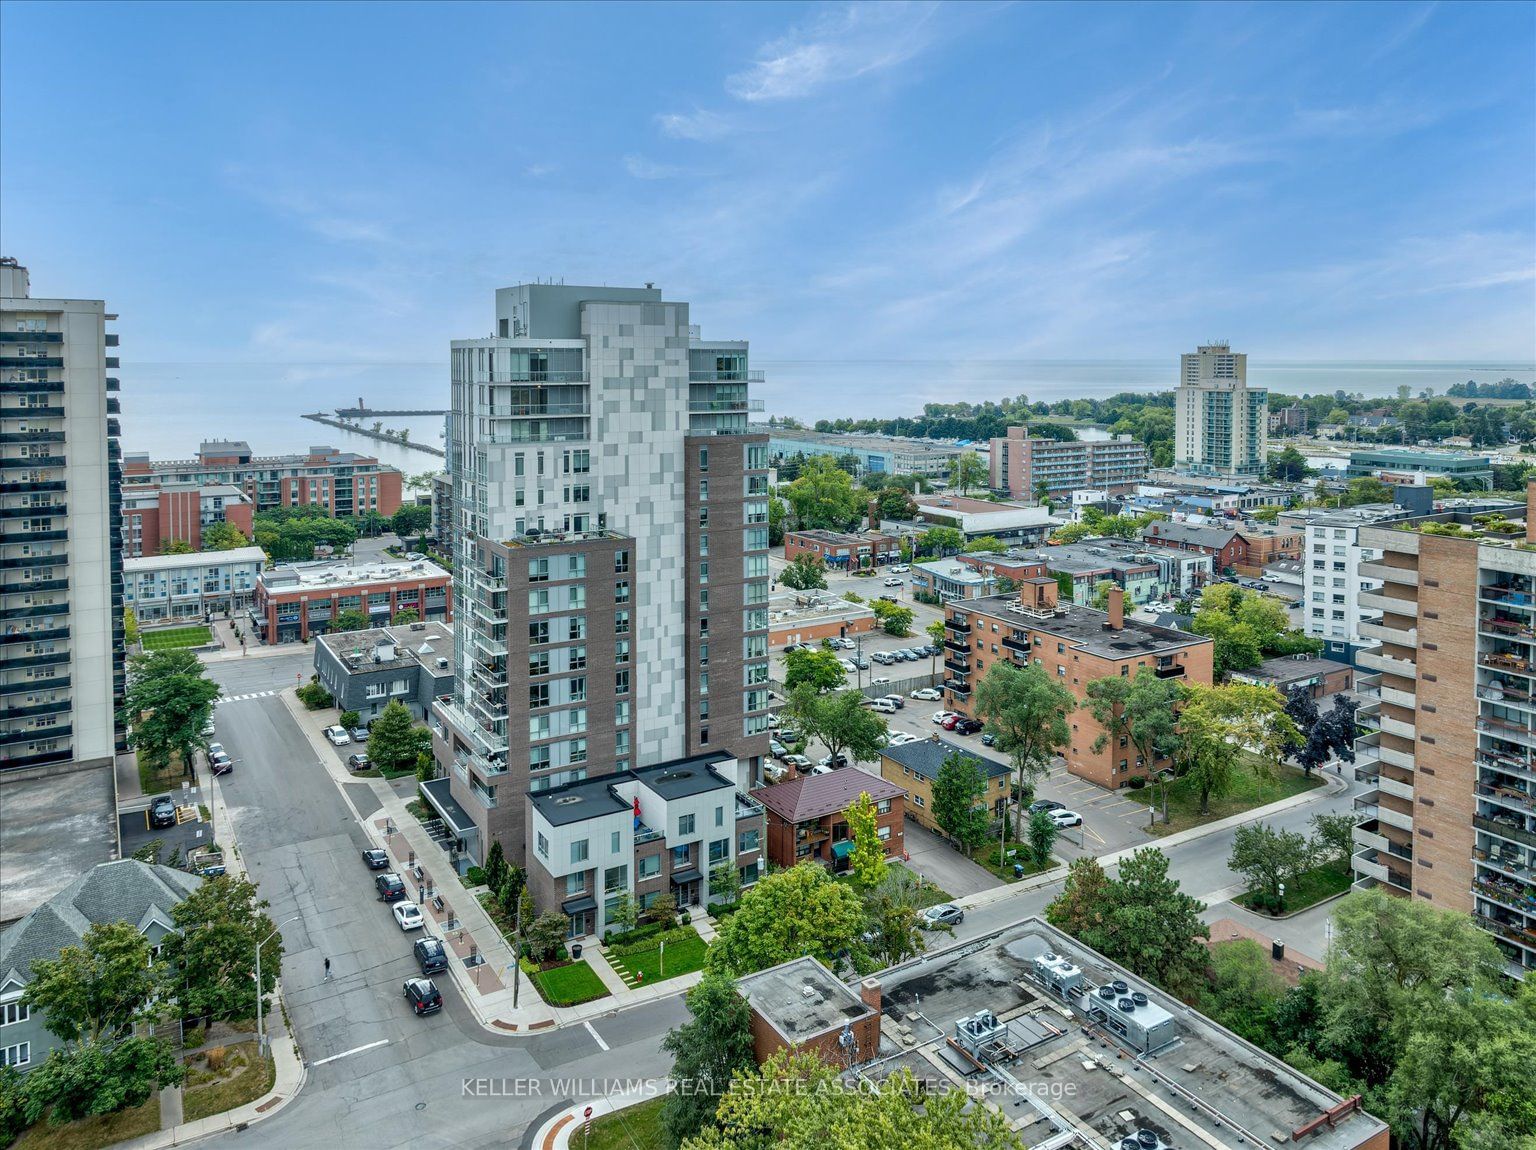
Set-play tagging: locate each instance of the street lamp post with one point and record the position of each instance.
(261, 1031)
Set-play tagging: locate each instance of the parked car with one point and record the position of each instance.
(337, 736)
(884, 658)
(359, 734)
(952, 722)
(988, 739)
(357, 762)
(879, 680)
(375, 858)
(927, 694)
(900, 569)
(799, 762)
(945, 914)
(893, 582)
(818, 769)
(889, 598)
(223, 765)
(847, 665)
(940, 716)
(215, 749)
(788, 735)
(969, 726)
(408, 915)
(1046, 805)
(1066, 818)
(208, 728)
(162, 812)
(391, 887)
(430, 954)
(423, 995)
(900, 738)
(895, 700)
(861, 663)
(776, 749)
(843, 644)
(833, 762)
(884, 706)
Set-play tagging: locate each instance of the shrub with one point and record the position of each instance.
(314, 697)
(216, 1057)
(474, 876)
(1137, 782)
(350, 719)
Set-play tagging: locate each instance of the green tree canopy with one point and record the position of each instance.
(840, 720)
(1026, 710)
(824, 496)
(218, 927)
(816, 667)
(394, 740)
(411, 519)
(1141, 709)
(940, 541)
(801, 910)
(959, 800)
(168, 701)
(224, 536)
(804, 572)
(93, 991)
(967, 471)
(867, 862)
(350, 619)
(708, 1051)
(1268, 858)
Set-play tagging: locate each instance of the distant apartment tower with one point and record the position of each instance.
(61, 576)
(1451, 762)
(1020, 463)
(611, 571)
(342, 483)
(1333, 578)
(1221, 425)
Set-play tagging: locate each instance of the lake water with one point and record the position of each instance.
(168, 408)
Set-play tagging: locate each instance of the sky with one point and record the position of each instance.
(322, 190)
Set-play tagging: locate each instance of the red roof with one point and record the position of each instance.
(813, 796)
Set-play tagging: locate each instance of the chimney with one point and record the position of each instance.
(869, 991)
(874, 514)
(1116, 607)
(1530, 511)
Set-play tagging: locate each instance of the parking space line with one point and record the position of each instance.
(354, 1050)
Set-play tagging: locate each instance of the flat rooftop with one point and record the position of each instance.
(413, 643)
(577, 802)
(678, 780)
(145, 563)
(1288, 669)
(1084, 628)
(801, 999)
(865, 442)
(1205, 1088)
(329, 574)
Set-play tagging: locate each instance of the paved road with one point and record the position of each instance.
(263, 671)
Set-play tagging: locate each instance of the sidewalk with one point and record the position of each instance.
(562, 1130)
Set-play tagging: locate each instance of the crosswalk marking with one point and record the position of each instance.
(242, 698)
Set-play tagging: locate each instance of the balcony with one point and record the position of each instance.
(955, 623)
(1503, 627)
(1505, 827)
(1403, 822)
(1399, 698)
(31, 337)
(1169, 671)
(33, 510)
(1512, 895)
(537, 410)
(957, 666)
(1507, 596)
(1368, 839)
(31, 386)
(30, 462)
(958, 645)
(1386, 664)
(747, 807)
(1502, 661)
(21, 362)
(724, 406)
(1396, 758)
(501, 377)
(1380, 601)
(749, 376)
(1365, 864)
(31, 412)
(40, 611)
(35, 435)
(52, 707)
(1508, 796)
(35, 734)
(34, 685)
(1395, 726)
(957, 688)
(1407, 576)
(1395, 787)
(1403, 638)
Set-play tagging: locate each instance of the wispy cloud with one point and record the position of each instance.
(700, 124)
(338, 215)
(843, 44)
(642, 168)
(1405, 32)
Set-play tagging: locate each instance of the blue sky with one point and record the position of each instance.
(313, 185)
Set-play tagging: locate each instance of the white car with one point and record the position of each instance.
(927, 694)
(900, 738)
(215, 750)
(338, 736)
(1065, 818)
(408, 915)
(893, 582)
(879, 680)
(900, 569)
(940, 716)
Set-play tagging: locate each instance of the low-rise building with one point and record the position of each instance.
(175, 588)
(1075, 645)
(914, 766)
(365, 671)
(343, 483)
(1014, 566)
(881, 454)
(643, 831)
(154, 517)
(974, 518)
(806, 817)
(947, 579)
(1021, 464)
(811, 616)
(1145, 572)
(800, 1005)
(843, 551)
(1400, 461)
(297, 601)
(126, 890)
(1319, 676)
(1246, 548)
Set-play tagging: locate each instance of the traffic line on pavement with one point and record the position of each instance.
(596, 1037)
(357, 1050)
(242, 698)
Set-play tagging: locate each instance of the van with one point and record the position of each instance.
(884, 706)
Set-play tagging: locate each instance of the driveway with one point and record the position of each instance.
(936, 860)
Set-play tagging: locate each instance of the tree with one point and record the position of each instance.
(663, 908)
(776, 513)
(896, 620)
(526, 913)
(407, 616)
(725, 883)
(892, 915)
(1027, 711)
(893, 503)
(176, 547)
(1101, 590)
(130, 627)
(1245, 627)
(1333, 838)
(840, 720)
(213, 950)
(804, 572)
(794, 1101)
(815, 667)
(1142, 710)
(1082, 907)
(940, 541)
(1042, 837)
(411, 519)
(624, 914)
(224, 536)
(392, 741)
(867, 860)
(93, 991)
(98, 1078)
(823, 496)
(966, 471)
(1365, 489)
(801, 910)
(985, 544)
(495, 865)
(1042, 493)
(1242, 990)
(1289, 465)
(547, 935)
(1219, 724)
(1073, 533)
(959, 800)
(708, 1051)
(167, 704)
(350, 619)
(1268, 859)
(350, 719)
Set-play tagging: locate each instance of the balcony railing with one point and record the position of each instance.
(1505, 828)
(537, 410)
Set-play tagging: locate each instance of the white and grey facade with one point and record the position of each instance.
(61, 576)
(1332, 583)
(612, 562)
(1221, 425)
(180, 588)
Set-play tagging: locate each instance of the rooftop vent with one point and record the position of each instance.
(567, 800)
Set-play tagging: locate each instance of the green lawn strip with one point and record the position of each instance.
(683, 955)
(93, 1133)
(568, 985)
(988, 860)
(255, 1078)
(636, 1127)
(1248, 792)
(173, 637)
(1307, 889)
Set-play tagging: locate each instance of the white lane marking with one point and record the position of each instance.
(355, 1050)
(596, 1037)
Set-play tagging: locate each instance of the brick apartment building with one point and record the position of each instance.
(838, 550)
(1076, 645)
(344, 483)
(914, 766)
(1019, 463)
(156, 517)
(297, 601)
(1247, 549)
(806, 816)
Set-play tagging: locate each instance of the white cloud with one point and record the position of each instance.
(642, 168)
(844, 44)
(700, 125)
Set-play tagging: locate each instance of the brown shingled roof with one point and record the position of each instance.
(813, 796)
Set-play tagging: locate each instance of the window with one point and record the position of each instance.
(579, 851)
(577, 749)
(621, 682)
(703, 682)
(576, 597)
(577, 628)
(621, 592)
(613, 842)
(749, 841)
(538, 695)
(648, 867)
(14, 1012)
(621, 623)
(704, 599)
(538, 600)
(539, 664)
(704, 654)
(579, 689)
(543, 845)
(576, 659)
(538, 570)
(703, 489)
(882, 833)
(17, 1055)
(575, 883)
(703, 459)
(719, 816)
(719, 851)
(703, 572)
(883, 806)
(538, 632)
(621, 562)
(621, 651)
(685, 824)
(616, 878)
(538, 726)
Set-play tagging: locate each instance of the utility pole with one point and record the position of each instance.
(517, 955)
(261, 1032)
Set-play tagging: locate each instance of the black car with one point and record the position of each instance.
(357, 762)
(968, 726)
(391, 887)
(423, 995)
(430, 954)
(375, 858)
(162, 813)
(1046, 805)
(988, 739)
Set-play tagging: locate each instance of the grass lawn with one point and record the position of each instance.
(1307, 889)
(91, 1133)
(1004, 870)
(172, 637)
(635, 1127)
(244, 1078)
(1248, 791)
(569, 984)
(683, 956)
(153, 782)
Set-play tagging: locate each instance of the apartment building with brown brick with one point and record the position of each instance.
(807, 816)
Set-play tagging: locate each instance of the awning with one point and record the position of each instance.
(843, 849)
(579, 905)
(690, 875)
(447, 807)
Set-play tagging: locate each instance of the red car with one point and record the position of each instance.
(952, 722)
